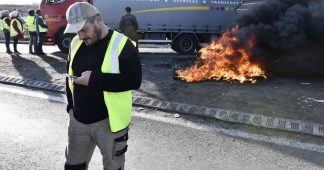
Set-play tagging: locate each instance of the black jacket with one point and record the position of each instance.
(88, 102)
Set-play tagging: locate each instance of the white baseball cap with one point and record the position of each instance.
(13, 14)
(77, 15)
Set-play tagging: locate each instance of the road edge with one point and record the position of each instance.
(291, 125)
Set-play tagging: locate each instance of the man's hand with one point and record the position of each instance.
(84, 79)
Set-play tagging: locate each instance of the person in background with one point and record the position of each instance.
(107, 65)
(128, 25)
(41, 30)
(1, 22)
(6, 29)
(16, 29)
(31, 28)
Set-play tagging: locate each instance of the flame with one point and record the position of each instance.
(220, 61)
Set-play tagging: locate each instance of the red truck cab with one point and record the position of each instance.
(54, 14)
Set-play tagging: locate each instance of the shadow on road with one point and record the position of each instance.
(29, 69)
(276, 96)
(60, 55)
(55, 63)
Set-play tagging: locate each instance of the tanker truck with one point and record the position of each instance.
(184, 24)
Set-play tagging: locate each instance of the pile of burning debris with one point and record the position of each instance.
(242, 53)
(222, 61)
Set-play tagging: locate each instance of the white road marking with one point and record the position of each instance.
(185, 123)
(40, 95)
(234, 133)
(315, 100)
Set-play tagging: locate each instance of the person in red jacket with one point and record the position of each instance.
(16, 29)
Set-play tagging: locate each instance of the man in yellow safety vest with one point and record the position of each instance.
(103, 67)
(31, 28)
(6, 29)
(41, 30)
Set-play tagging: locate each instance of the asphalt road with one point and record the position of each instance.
(33, 134)
(143, 48)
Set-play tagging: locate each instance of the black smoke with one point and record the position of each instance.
(277, 24)
(284, 30)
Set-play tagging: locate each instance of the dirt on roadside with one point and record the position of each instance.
(278, 96)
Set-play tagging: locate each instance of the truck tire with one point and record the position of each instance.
(185, 44)
(63, 42)
(172, 47)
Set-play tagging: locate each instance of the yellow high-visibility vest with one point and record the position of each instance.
(31, 24)
(4, 24)
(13, 32)
(40, 28)
(118, 104)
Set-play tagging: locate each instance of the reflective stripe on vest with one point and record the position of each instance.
(31, 25)
(75, 45)
(118, 104)
(40, 28)
(5, 25)
(13, 32)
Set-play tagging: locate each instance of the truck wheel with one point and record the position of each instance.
(172, 47)
(63, 42)
(185, 44)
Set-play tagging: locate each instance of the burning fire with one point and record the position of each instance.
(220, 61)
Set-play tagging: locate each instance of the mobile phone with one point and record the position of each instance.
(71, 77)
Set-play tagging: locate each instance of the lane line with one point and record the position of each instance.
(279, 123)
(34, 94)
(192, 125)
(234, 133)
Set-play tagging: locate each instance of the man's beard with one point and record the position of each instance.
(97, 33)
(96, 36)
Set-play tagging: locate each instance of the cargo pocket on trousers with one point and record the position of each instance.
(120, 145)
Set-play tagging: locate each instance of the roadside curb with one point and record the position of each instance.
(291, 125)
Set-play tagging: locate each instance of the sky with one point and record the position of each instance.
(19, 2)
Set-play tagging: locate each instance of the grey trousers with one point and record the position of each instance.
(83, 138)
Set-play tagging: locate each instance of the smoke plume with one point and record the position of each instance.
(280, 28)
(277, 24)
